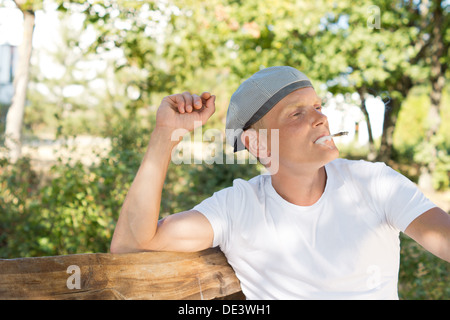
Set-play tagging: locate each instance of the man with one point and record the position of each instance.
(316, 227)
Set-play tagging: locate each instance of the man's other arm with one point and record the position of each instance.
(432, 231)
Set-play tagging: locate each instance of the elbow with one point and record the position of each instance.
(115, 248)
(116, 243)
(118, 247)
(125, 240)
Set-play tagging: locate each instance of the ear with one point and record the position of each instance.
(250, 141)
(255, 142)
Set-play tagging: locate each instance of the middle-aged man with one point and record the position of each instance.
(315, 227)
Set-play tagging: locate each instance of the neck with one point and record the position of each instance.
(301, 187)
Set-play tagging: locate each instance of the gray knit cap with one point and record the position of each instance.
(258, 95)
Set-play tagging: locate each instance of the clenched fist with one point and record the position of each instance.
(185, 111)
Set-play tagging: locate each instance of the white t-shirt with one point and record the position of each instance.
(345, 246)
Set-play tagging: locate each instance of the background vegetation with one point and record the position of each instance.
(126, 55)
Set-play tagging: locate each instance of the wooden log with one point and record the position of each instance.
(145, 275)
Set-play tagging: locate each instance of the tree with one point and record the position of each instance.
(383, 49)
(14, 117)
(163, 49)
(439, 53)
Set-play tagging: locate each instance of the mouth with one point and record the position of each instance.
(322, 139)
(326, 140)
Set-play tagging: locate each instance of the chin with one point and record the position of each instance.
(329, 156)
(334, 154)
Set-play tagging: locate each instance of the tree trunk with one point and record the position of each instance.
(14, 117)
(387, 138)
(372, 151)
(437, 79)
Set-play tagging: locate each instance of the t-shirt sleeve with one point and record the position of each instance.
(215, 209)
(400, 199)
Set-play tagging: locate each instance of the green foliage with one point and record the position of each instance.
(413, 115)
(29, 5)
(412, 145)
(422, 275)
(73, 208)
(72, 211)
(18, 210)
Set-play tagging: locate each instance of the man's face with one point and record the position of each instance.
(300, 122)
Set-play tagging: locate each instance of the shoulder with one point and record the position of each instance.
(356, 164)
(356, 169)
(374, 179)
(362, 176)
(251, 187)
(241, 190)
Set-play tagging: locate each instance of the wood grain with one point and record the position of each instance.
(145, 275)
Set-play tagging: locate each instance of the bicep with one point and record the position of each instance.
(432, 231)
(186, 231)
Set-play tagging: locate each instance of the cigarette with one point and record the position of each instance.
(342, 133)
(326, 138)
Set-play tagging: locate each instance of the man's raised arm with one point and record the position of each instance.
(138, 228)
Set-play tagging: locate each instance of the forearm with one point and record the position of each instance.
(140, 211)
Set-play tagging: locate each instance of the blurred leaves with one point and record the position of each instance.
(74, 207)
(422, 275)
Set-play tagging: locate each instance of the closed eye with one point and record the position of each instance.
(319, 108)
(302, 111)
(298, 114)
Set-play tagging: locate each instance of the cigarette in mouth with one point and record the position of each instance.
(326, 138)
(342, 133)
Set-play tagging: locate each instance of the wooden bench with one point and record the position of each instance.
(145, 275)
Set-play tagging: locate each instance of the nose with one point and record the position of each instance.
(318, 118)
